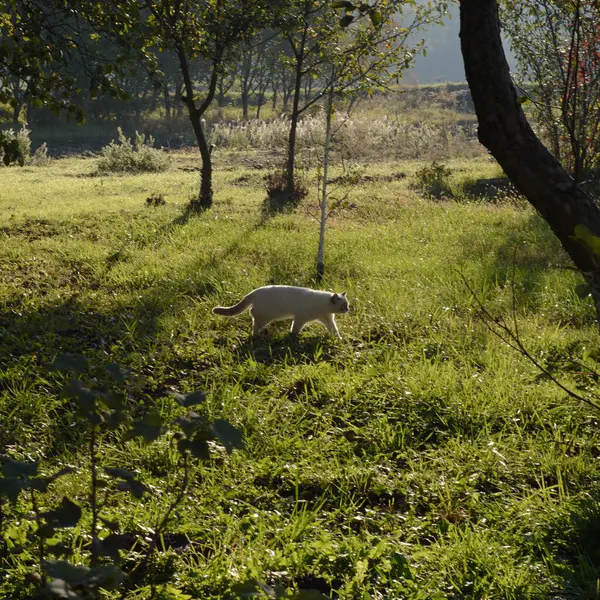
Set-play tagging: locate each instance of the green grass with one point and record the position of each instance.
(418, 457)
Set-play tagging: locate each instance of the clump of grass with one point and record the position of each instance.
(138, 156)
(40, 156)
(155, 200)
(15, 147)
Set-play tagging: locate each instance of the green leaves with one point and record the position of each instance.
(376, 18)
(128, 481)
(258, 589)
(344, 4)
(149, 427)
(198, 432)
(361, 8)
(111, 545)
(346, 20)
(103, 409)
(66, 577)
(589, 240)
(117, 373)
(19, 476)
(191, 399)
(227, 434)
(68, 514)
(70, 362)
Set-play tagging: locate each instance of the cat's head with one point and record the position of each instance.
(340, 302)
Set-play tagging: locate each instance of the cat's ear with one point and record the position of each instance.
(343, 294)
(333, 298)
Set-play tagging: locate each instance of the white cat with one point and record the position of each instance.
(277, 302)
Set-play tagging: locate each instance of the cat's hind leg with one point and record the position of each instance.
(259, 322)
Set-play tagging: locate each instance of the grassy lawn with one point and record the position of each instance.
(417, 457)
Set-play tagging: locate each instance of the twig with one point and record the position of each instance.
(41, 549)
(94, 559)
(163, 523)
(513, 341)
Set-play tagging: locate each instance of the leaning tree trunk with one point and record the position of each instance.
(505, 132)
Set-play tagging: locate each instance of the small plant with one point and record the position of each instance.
(40, 156)
(101, 405)
(278, 198)
(432, 181)
(155, 200)
(127, 156)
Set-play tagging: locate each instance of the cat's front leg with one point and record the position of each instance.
(330, 323)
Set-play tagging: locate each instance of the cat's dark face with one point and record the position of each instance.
(340, 302)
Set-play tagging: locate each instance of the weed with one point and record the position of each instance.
(279, 199)
(156, 200)
(103, 410)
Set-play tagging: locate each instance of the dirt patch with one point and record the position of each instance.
(33, 229)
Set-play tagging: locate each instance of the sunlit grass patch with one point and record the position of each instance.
(417, 457)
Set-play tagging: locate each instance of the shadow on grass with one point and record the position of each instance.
(124, 332)
(519, 260)
(577, 559)
(267, 349)
(279, 202)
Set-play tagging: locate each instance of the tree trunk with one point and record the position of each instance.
(221, 92)
(291, 157)
(274, 97)
(504, 130)
(323, 223)
(260, 99)
(244, 94)
(167, 101)
(204, 200)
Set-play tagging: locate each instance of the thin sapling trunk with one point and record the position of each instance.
(323, 221)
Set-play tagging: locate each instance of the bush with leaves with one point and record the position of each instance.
(15, 146)
(43, 555)
(433, 181)
(138, 156)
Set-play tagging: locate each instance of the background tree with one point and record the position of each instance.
(205, 30)
(45, 47)
(361, 50)
(557, 45)
(505, 131)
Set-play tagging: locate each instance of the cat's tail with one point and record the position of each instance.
(229, 311)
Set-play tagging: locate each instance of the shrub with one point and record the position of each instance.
(432, 181)
(139, 156)
(278, 198)
(15, 146)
